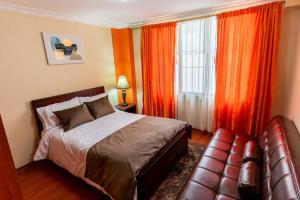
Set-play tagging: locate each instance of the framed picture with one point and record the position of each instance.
(63, 49)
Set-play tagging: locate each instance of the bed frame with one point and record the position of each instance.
(154, 171)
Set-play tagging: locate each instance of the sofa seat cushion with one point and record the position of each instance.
(223, 138)
(196, 191)
(216, 154)
(206, 178)
(211, 164)
(237, 149)
(229, 188)
(235, 159)
(232, 171)
(220, 145)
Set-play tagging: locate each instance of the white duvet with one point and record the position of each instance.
(69, 149)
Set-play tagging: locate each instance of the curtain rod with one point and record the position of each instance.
(194, 18)
(205, 15)
(216, 13)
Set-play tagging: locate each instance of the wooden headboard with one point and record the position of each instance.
(60, 98)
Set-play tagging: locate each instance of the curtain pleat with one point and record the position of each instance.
(158, 65)
(246, 64)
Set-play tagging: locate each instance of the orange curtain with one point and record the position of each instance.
(246, 63)
(124, 61)
(158, 63)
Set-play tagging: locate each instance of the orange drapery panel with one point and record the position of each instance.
(124, 60)
(158, 65)
(246, 63)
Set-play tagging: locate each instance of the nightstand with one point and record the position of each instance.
(131, 108)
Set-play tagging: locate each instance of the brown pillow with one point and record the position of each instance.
(73, 117)
(100, 107)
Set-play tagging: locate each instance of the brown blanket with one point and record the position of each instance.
(114, 162)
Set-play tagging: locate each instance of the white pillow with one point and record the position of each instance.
(91, 98)
(48, 118)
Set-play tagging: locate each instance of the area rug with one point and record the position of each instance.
(170, 188)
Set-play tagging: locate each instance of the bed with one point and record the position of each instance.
(149, 176)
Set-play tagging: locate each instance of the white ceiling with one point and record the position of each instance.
(114, 13)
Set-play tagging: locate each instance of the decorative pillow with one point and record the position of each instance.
(91, 98)
(249, 181)
(48, 118)
(252, 152)
(100, 107)
(73, 117)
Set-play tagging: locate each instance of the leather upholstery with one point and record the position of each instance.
(249, 181)
(279, 177)
(218, 170)
(217, 173)
(251, 152)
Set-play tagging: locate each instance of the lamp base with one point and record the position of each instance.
(124, 104)
(124, 98)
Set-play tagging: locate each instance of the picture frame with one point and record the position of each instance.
(63, 49)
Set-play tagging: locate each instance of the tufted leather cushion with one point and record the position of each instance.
(217, 173)
(249, 180)
(252, 152)
(279, 178)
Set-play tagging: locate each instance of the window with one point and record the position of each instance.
(195, 56)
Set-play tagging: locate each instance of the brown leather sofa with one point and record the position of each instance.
(217, 173)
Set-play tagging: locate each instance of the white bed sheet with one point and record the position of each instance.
(69, 149)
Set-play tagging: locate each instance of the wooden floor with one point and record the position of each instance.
(44, 180)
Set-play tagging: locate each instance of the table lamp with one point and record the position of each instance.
(123, 85)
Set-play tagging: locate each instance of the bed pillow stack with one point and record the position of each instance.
(74, 112)
(249, 179)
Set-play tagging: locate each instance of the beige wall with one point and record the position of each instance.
(291, 3)
(287, 97)
(136, 34)
(25, 75)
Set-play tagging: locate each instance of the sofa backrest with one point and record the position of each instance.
(280, 143)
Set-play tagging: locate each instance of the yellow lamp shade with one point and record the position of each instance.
(122, 83)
